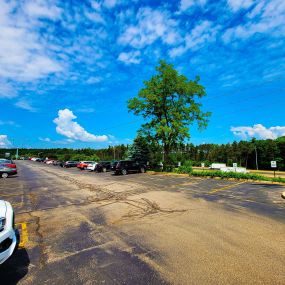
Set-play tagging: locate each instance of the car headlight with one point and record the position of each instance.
(2, 223)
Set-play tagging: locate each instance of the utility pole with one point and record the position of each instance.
(256, 158)
(114, 152)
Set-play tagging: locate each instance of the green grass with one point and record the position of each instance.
(235, 175)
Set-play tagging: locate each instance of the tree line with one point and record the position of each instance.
(250, 154)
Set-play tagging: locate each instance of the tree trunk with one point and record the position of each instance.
(166, 150)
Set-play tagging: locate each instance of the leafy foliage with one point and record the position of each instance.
(185, 168)
(236, 175)
(140, 150)
(168, 103)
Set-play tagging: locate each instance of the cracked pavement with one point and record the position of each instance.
(97, 228)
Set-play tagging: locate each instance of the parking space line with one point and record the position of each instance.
(11, 195)
(24, 235)
(17, 204)
(225, 187)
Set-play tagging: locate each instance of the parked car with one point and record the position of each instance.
(57, 162)
(7, 163)
(127, 166)
(104, 166)
(6, 171)
(68, 164)
(9, 236)
(92, 166)
(83, 164)
(113, 165)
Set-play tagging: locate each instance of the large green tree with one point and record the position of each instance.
(169, 103)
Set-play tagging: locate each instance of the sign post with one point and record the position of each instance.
(273, 165)
(235, 166)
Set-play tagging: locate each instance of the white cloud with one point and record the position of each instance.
(96, 5)
(44, 139)
(110, 3)
(7, 91)
(64, 141)
(72, 130)
(4, 142)
(259, 131)
(9, 123)
(204, 32)
(94, 80)
(236, 5)
(266, 17)
(42, 9)
(23, 104)
(186, 4)
(24, 52)
(132, 57)
(151, 25)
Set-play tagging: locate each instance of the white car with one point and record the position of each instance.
(9, 237)
(92, 166)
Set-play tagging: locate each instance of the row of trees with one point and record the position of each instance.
(245, 153)
(254, 154)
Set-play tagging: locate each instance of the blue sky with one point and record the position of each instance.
(67, 68)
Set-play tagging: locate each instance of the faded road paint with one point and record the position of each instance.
(226, 187)
(24, 235)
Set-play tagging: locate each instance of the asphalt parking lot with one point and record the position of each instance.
(80, 227)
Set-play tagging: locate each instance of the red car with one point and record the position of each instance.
(8, 163)
(83, 164)
(7, 168)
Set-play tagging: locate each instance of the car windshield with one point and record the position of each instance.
(5, 161)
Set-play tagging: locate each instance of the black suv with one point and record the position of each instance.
(126, 166)
(104, 166)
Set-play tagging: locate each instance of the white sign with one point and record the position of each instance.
(273, 164)
(234, 164)
(7, 154)
(202, 164)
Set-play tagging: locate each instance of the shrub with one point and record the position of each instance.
(236, 175)
(185, 168)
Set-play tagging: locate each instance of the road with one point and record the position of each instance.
(97, 228)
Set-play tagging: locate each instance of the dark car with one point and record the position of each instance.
(127, 166)
(6, 171)
(104, 166)
(68, 164)
(113, 165)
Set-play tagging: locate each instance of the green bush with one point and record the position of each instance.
(185, 168)
(236, 175)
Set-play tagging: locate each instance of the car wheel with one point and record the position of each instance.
(142, 170)
(104, 169)
(4, 175)
(124, 171)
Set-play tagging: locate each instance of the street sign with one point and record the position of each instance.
(234, 164)
(273, 164)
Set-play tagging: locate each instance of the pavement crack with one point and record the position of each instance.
(41, 243)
